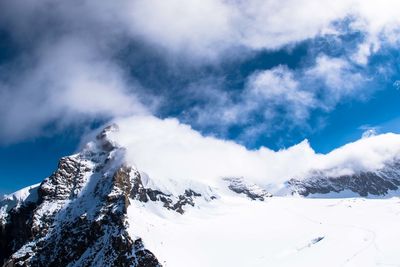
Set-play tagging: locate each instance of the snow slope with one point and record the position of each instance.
(16, 199)
(281, 231)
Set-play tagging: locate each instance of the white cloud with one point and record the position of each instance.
(167, 149)
(369, 131)
(272, 24)
(339, 78)
(278, 88)
(66, 84)
(380, 22)
(331, 70)
(280, 96)
(190, 28)
(208, 29)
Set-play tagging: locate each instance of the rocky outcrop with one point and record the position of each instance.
(377, 183)
(139, 192)
(251, 190)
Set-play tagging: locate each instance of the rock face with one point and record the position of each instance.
(139, 192)
(252, 191)
(171, 202)
(15, 220)
(78, 217)
(376, 183)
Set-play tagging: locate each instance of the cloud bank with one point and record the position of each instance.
(166, 149)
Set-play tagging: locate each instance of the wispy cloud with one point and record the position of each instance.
(280, 97)
(65, 84)
(369, 131)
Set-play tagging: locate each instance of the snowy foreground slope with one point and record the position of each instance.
(99, 209)
(282, 231)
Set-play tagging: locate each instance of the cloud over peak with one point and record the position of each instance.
(166, 149)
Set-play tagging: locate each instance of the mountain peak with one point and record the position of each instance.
(79, 216)
(103, 137)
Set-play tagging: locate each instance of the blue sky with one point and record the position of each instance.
(249, 72)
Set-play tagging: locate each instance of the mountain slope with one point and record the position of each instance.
(280, 231)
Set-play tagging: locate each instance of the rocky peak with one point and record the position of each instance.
(104, 142)
(79, 217)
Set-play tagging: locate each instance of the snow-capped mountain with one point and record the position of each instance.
(99, 209)
(77, 216)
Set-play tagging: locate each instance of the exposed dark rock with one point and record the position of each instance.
(144, 257)
(377, 183)
(252, 191)
(17, 230)
(139, 192)
(106, 144)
